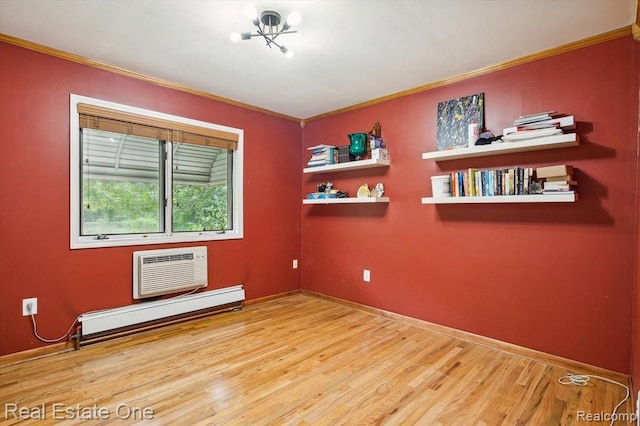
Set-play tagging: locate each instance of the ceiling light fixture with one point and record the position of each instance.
(268, 26)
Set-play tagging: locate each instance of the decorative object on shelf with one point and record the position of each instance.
(363, 191)
(379, 190)
(454, 118)
(376, 130)
(474, 134)
(375, 137)
(357, 144)
(441, 186)
(379, 154)
(535, 188)
(268, 26)
(324, 187)
(487, 138)
(325, 190)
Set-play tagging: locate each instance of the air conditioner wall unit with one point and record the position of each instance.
(167, 271)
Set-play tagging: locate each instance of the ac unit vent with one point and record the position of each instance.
(160, 272)
(167, 258)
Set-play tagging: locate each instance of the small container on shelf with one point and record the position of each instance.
(441, 186)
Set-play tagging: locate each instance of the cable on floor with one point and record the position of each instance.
(583, 379)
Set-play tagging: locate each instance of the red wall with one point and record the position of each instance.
(35, 259)
(635, 338)
(556, 278)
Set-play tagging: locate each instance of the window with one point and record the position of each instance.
(143, 177)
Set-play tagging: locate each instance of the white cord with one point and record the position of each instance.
(35, 331)
(35, 328)
(583, 379)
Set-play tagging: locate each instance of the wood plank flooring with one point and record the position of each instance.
(297, 360)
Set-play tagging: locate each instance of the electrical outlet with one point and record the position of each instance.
(29, 306)
(366, 276)
(295, 263)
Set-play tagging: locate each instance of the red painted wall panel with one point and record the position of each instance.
(35, 259)
(556, 278)
(635, 338)
(551, 277)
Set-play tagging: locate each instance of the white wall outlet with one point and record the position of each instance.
(295, 263)
(366, 276)
(29, 306)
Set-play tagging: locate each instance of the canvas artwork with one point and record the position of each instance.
(454, 117)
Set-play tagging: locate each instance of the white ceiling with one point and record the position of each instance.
(346, 52)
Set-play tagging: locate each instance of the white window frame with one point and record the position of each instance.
(78, 241)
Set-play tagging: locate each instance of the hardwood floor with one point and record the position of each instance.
(297, 360)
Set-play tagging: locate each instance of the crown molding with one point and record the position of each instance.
(117, 70)
(633, 30)
(600, 38)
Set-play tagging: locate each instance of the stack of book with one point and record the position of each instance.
(538, 125)
(321, 155)
(556, 179)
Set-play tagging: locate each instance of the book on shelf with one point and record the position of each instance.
(563, 178)
(557, 192)
(553, 186)
(555, 183)
(317, 162)
(563, 122)
(533, 118)
(321, 155)
(319, 147)
(343, 154)
(491, 182)
(556, 170)
(531, 134)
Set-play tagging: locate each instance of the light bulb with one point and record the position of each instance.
(294, 18)
(235, 37)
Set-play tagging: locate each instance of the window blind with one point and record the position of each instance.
(100, 118)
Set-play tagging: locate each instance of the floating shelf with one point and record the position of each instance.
(549, 142)
(351, 200)
(351, 165)
(538, 198)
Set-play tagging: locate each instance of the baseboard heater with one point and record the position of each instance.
(102, 325)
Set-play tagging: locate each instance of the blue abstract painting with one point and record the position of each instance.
(454, 117)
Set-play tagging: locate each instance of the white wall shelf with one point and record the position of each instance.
(350, 200)
(549, 142)
(351, 165)
(497, 199)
